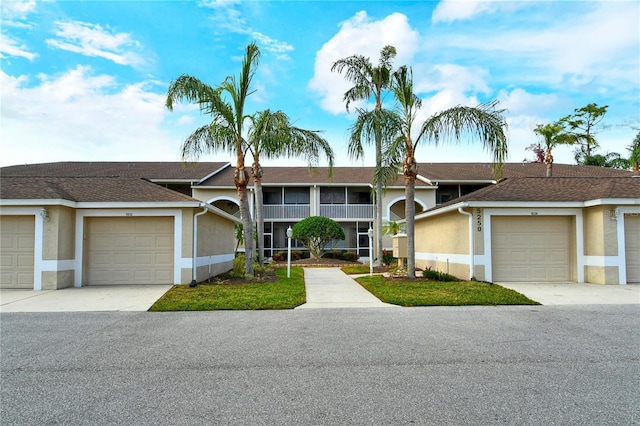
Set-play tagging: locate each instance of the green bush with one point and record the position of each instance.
(259, 271)
(333, 254)
(316, 232)
(438, 276)
(387, 257)
(281, 256)
(350, 256)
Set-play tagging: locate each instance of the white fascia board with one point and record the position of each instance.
(219, 212)
(215, 172)
(423, 179)
(468, 181)
(163, 181)
(37, 202)
(526, 204)
(613, 201)
(137, 205)
(442, 210)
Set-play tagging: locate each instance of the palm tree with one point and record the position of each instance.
(634, 153)
(368, 80)
(552, 136)
(225, 132)
(272, 135)
(483, 121)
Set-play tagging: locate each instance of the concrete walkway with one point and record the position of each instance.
(332, 288)
(578, 294)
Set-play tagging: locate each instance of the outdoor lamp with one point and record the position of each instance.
(289, 234)
(370, 234)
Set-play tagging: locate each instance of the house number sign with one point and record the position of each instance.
(479, 220)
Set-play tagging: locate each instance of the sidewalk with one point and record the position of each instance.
(332, 288)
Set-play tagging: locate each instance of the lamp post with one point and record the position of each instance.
(289, 234)
(370, 234)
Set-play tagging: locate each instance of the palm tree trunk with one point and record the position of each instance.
(410, 169)
(241, 178)
(548, 160)
(378, 201)
(256, 170)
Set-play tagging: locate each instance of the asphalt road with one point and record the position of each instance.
(533, 365)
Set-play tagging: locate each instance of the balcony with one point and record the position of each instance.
(285, 211)
(347, 211)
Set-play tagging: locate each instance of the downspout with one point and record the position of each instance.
(194, 270)
(471, 243)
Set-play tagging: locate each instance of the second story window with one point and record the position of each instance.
(332, 195)
(296, 195)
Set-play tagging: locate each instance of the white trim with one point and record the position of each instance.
(58, 265)
(488, 213)
(622, 243)
(177, 235)
(215, 172)
(402, 198)
(224, 198)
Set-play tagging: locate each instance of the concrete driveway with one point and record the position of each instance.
(91, 298)
(578, 294)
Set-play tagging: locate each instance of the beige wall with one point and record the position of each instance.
(206, 194)
(52, 280)
(442, 235)
(601, 274)
(59, 234)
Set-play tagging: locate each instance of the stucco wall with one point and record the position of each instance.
(442, 243)
(52, 280)
(59, 234)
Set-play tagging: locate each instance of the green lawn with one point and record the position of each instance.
(355, 269)
(284, 293)
(435, 293)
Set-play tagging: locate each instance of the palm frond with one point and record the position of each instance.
(484, 122)
(192, 90)
(369, 125)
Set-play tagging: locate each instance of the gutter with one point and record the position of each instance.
(471, 243)
(194, 271)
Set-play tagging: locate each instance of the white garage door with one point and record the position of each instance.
(17, 238)
(128, 250)
(632, 247)
(530, 249)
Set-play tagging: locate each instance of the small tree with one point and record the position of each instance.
(316, 232)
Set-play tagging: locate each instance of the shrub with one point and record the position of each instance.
(333, 254)
(316, 232)
(350, 256)
(281, 256)
(438, 276)
(387, 257)
(259, 271)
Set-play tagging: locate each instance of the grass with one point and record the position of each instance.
(284, 293)
(355, 269)
(435, 293)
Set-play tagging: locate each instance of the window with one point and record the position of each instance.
(296, 196)
(332, 196)
(272, 195)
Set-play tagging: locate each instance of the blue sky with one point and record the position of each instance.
(87, 80)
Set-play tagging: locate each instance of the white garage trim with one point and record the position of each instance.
(177, 232)
(618, 215)
(486, 223)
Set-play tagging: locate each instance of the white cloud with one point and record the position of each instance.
(359, 35)
(451, 10)
(15, 9)
(450, 77)
(10, 47)
(94, 40)
(81, 116)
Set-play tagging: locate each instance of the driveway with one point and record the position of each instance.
(578, 294)
(91, 298)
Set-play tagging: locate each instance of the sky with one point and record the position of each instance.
(87, 80)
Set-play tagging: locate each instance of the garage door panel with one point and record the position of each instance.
(632, 247)
(531, 249)
(129, 254)
(17, 259)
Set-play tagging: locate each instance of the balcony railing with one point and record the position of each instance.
(347, 211)
(285, 211)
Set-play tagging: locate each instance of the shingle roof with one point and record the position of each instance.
(555, 189)
(87, 189)
(149, 170)
(466, 172)
(306, 176)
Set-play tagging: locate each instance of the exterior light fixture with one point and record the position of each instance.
(289, 234)
(370, 234)
(44, 214)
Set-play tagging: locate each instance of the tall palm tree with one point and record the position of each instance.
(634, 153)
(367, 81)
(553, 135)
(272, 135)
(484, 122)
(225, 132)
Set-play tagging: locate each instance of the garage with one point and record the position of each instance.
(128, 250)
(632, 247)
(531, 249)
(17, 238)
